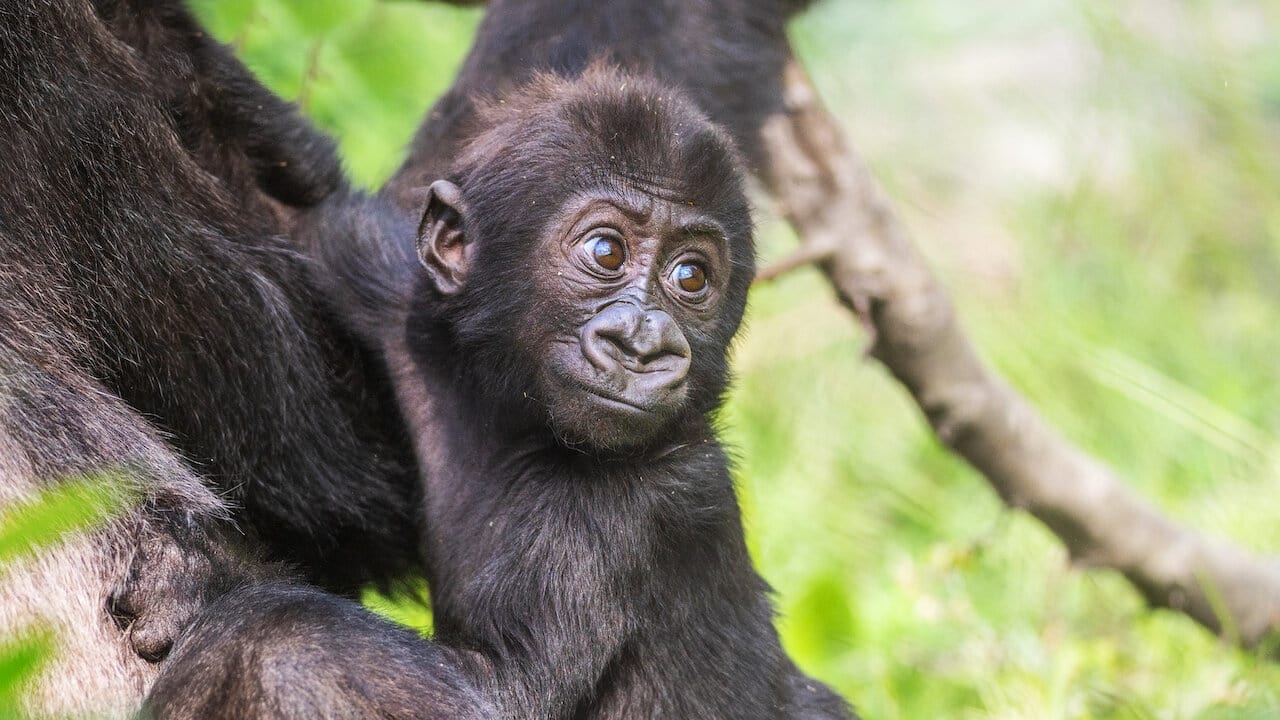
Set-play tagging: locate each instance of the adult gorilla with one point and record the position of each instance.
(155, 321)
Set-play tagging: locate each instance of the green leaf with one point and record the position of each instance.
(20, 661)
(317, 18)
(408, 605)
(73, 505)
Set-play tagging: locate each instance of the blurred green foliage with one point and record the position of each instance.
(1099, 183)
(75, 505)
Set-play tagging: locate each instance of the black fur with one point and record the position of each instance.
(310, 656)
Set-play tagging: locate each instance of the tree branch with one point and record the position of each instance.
(847, 226)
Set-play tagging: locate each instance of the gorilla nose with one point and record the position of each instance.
(639, 340)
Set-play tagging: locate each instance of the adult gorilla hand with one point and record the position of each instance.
(176, 570)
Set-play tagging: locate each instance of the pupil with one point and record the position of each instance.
(691, 277)
(607, 253)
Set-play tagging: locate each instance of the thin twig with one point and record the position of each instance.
(807, 254)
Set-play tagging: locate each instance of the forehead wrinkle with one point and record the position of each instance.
(635, 203)
(653, 185)
(585, 202)
(617, 174)
(702, 227)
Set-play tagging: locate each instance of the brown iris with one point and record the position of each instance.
(690, 277)
(607, 252)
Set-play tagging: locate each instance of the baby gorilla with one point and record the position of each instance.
(583, 269)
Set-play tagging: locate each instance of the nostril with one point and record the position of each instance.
(617, 344)
(638, 355)
(657, 356)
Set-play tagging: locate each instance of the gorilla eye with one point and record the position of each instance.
(606, 251)
(690, 277)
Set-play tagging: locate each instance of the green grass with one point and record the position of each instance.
(1099, 185)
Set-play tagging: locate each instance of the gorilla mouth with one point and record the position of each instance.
(656, 391)
(612, 398)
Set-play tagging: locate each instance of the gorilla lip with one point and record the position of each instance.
(624, 403)
(615, 399)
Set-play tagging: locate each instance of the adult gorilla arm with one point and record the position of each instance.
(260, 147)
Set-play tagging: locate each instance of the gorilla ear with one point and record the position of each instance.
(443, 247)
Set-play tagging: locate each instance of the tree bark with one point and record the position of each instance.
(848, 228)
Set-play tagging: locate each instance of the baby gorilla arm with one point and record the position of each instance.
(284, 651)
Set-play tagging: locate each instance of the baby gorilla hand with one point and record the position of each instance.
(179, 566)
